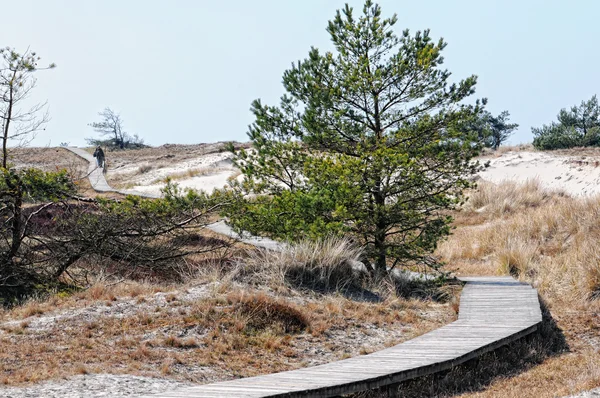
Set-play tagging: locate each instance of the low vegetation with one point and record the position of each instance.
(547, 239)
(321, 265)
(576, 127)
(132, 237)
(223, 322)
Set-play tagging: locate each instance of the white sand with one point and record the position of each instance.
(575, 175)
(215, 170)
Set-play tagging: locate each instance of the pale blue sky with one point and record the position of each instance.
(186, 71)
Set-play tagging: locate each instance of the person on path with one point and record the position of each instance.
(100, 159)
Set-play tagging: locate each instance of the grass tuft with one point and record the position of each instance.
(262, 312)
(507, 197)
(321, 265)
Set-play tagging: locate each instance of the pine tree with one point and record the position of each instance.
(492, 130)
(366, 142)
(579, 126)
(16, 84)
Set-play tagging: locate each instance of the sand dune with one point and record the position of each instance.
(575, 175)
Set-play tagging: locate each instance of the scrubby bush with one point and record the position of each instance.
(133, 237)
(22, 252)
(579, 126)
(262, 312)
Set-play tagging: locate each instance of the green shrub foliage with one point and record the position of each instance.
(576, 127)
(134, 237)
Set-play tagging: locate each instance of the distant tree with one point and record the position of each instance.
(112, 126)
(492, 131)
(16, 84)
(499, 129)
(578, 126)
(366, 142)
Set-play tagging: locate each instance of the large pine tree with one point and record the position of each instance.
(366, 142)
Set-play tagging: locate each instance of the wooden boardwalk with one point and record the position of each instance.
(493, 311)
(98, 182)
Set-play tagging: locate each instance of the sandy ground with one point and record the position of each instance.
(575, 175)
(203, 173)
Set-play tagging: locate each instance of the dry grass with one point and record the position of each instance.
(548, 240)
(487, 152)
(46, 158)
(551, 241)
(507, 197)
(190, 173)
(589, 153)
(155, 158)
(227, 332)
(164, 155)
(143, 169)
(323, 265)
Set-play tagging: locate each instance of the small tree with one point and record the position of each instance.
(44, 233)
(367, 142)
(500, 129)
(16, 84)
(112, 126)
(20, 256)
(492, 131)
(579, 126)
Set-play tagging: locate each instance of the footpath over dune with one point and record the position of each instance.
(494, 311)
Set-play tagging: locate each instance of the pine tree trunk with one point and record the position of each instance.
(7, 119)
(380, 226)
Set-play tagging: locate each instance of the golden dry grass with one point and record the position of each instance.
(551, 241)
(189, 173)
(46, 158)
(487, 152)
(324, 265)
(234, 329)
(231, 332)
(496, 200)
(547, 239)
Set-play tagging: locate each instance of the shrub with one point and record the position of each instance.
(579, 126)
(262, 312)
